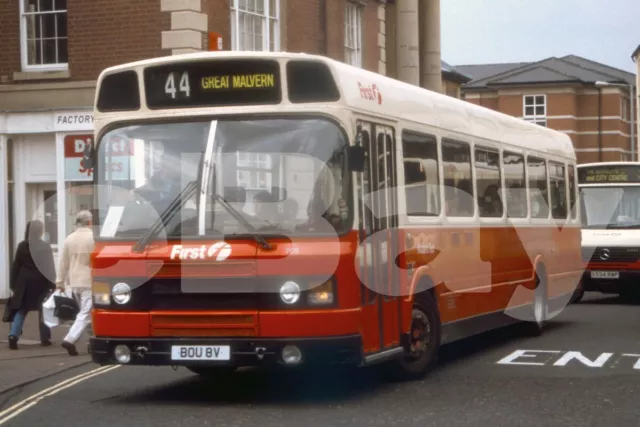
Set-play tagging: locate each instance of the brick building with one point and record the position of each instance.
(53, 51)
(589, 101)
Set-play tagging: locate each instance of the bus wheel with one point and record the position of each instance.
(212, 371)
(540, 308)
(424, 341)
(577, 296)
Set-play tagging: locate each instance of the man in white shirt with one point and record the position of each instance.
(75, 273)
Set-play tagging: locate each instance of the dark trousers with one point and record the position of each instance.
(18, 323)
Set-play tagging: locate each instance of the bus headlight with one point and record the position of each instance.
(121, 293)
(290, 293)
(321, 295)
(101, 293)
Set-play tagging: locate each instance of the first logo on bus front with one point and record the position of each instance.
(220, 251)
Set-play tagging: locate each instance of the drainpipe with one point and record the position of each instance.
(632, 117)
(323, 18)
(599, 124)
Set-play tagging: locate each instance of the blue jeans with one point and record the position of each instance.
(18, 323)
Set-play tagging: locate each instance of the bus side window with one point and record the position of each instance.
(488, 183)
(538, 191)
(558, 191)
(421, 183)
(572, 192)
(515, 185)
(458, 179)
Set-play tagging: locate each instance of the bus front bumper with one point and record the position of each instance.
(617, 281)
(230, 352)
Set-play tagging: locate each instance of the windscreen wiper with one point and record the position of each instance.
(175, 205)
(238, 216)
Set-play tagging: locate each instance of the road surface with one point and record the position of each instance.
(583, 371)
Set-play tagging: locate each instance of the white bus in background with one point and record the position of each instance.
(610, 199)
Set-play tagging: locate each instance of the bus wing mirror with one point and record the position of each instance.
(356, 156)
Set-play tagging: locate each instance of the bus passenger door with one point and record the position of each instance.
(378, 220)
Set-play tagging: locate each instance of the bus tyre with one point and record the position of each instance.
(577, 296)
(540, 307)
(424, 341)
(212, 371)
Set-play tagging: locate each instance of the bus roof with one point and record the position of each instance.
(383, 96)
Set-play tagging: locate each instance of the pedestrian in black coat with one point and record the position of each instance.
(32, 279)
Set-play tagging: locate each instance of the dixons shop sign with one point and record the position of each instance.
(75, 152)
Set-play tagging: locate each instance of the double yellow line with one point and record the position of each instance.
(32, 400)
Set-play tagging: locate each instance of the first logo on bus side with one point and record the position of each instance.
(371, 93)
(220, 251)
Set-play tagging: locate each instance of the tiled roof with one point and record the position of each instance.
(570, 68)
(454, 72)
(482, 71)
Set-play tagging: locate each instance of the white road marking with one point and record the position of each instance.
(32, 400)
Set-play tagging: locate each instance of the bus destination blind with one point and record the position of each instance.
(607, 175)
(213, 84)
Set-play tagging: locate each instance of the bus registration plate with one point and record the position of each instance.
(200, 352)
(605, 274)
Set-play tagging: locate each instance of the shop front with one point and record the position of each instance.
(42, 176)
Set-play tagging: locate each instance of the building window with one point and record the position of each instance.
(43, 34)
(79, 197)
(353, 34)
(254, 171)
(255, 25)
(624, 110)
(535, 109)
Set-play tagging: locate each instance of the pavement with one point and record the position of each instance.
(31, 362)
(582, 371)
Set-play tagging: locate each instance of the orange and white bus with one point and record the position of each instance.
(274, 208)
(610, 199)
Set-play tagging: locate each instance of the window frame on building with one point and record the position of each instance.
(353, 26)
(269, 21)
(24, 41)
(255, 164)
(624, 107)
(535, 118)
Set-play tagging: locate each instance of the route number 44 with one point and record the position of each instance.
(183, 85)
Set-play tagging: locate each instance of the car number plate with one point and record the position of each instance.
(605, 274)
(200, 352)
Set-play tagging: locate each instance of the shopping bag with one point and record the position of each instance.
(9, 313)
(48, 310)
(66, 307)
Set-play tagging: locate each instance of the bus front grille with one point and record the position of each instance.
(605, 254)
